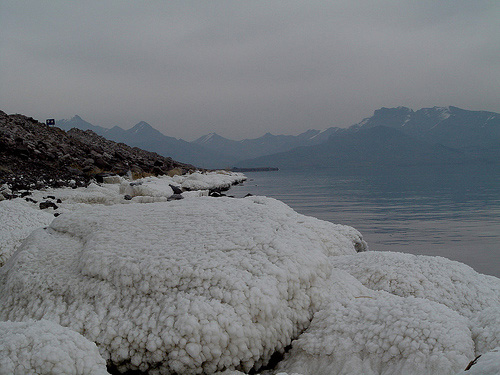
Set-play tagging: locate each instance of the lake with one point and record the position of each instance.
(451, 211)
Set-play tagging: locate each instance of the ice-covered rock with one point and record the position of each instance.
(379, 333)
(46, 348)
(18, 219)
(191, 286)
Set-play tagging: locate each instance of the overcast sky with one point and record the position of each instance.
(243, 68)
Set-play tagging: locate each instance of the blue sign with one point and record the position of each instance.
(50, 121)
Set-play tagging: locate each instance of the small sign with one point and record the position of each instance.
(50, 121)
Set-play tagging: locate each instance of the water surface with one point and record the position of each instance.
(446, 211)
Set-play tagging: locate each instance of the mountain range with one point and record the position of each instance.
(392, 136)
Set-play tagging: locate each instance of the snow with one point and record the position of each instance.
(44, 348)
(202, 284)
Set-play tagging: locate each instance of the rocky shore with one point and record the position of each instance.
(34, 155)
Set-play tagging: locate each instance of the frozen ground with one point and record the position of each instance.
(219, 285)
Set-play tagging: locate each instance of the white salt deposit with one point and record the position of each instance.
(379, 333)
(487, 364)
(437, 279)
(217, 285)
(18, 219)
(202, 284)
(46, 348)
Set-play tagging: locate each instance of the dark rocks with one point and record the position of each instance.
(176, 189)
(48, 204)
(36, 156)
(127, 197)
(175, 197)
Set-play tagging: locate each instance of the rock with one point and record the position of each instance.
(175, 197)
(127, 197)
(48, 204)
(176, 189)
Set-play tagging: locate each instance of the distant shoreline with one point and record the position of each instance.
(262, 169)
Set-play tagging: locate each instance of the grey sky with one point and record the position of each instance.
(242, 68)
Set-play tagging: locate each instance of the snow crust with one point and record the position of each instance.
(202, 284)
(44, 348)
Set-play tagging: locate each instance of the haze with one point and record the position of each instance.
(245, 68)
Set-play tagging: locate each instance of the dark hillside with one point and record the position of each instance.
(33, 154)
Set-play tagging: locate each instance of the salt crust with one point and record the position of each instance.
(487, 364)
(18, 219)
(45, 348)
(453, 284)
(380, 333)
(199, 285)
(437, 279)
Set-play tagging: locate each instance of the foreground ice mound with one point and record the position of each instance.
(45, 348)
(199, 285)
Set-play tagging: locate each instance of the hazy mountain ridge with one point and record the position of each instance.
(401, 136)
(435, 135)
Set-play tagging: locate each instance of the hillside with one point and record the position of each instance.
(33, 154)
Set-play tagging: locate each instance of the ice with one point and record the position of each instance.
(487, 364)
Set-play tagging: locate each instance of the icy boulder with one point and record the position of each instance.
(198, 285)
(45, 348)
(438, 279)
(18, 219)
(378, 333)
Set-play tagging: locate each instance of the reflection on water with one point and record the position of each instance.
(447, 211)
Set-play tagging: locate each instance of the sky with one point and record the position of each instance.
(244, 68)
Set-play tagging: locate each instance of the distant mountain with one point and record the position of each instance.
(144, 136)
(266, 145)
(377, 146)
(435, 135)
(449, 126)
(401, 136)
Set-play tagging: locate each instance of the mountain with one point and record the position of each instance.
(447, 134)
(401, 136)
(376, 146)
(33, 154)
(449, 126)
(266, 145)
(144, 136)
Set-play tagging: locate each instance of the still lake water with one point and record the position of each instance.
(446, 211)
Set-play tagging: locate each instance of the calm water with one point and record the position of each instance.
(451, 212)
